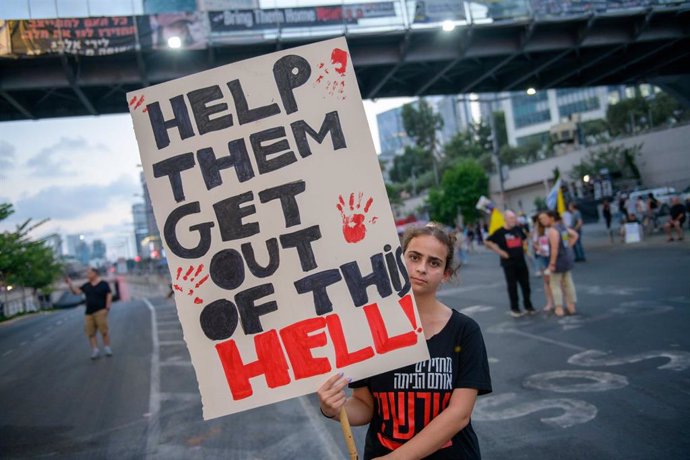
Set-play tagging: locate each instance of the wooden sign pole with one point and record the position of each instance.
(347, 433)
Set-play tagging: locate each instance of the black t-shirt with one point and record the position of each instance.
(407, 399)
(676, 211)
(95, 296)
(511, 242)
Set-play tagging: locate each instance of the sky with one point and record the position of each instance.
(82, 173)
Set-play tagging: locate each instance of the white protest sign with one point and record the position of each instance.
(277, 228)
(633, 233)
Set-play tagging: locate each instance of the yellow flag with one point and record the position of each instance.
(496, 220)
(560, 203)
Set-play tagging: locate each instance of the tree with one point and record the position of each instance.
(501, 130)
(619, 160)
(521, 155)
(461, 187)
(23, 261)
(412, 162)
(625, 115)
(421, 124)
(663, 108)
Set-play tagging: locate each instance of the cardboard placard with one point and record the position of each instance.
(279, 235)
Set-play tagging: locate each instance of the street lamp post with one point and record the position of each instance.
(497, 157)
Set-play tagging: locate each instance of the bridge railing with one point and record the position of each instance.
(104, 28)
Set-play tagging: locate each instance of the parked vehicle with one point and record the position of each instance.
(662, 194)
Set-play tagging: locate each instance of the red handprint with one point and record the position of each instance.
(138, 102)
(354, 228)
(192, 286)
(334, 73)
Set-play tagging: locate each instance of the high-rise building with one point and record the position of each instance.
(150, 245)
(392, 135)
(83, 254)
(72, 243)
(530, 117)
(98, 249)
(456, 114)
(54, 242)
(140, 226)
(148, 208)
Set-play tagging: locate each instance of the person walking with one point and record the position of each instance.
(99, 299)
(606, 212)
(653, 210)
(676, 220)
(507, 242)
(440, 393)
(576, 224)
(561, 261)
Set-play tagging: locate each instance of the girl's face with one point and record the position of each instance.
(425, 259)
(545, 220)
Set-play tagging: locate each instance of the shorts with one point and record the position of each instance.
(542, 262)
(96, 321)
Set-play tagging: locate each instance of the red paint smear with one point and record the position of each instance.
(179, 271)
(146, 109)
(339, 56)
(201, 281)
(368, 205)
(134, 99)
(177, 288)
(198, 270)
(141, 100)
(189, 272)
(352, 200)
(197, 300)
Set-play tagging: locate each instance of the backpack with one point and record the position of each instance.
(565, 259)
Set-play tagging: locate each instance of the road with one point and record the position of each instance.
(611, 382)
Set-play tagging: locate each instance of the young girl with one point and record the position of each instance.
(540, 241)
(422, 410)
(561, 261)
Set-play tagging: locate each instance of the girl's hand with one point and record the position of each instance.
(332, 394)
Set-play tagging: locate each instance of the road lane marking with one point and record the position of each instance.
(461, 289)
(168, 323)
(507, 328)
(187, 397)
(575, 411)
(154, 429)
(176, 363)
(678, 360)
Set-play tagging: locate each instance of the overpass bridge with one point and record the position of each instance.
(487, 54)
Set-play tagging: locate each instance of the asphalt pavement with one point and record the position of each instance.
(610, 382)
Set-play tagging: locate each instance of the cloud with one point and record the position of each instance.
(51, 161)
(6, 157)
(68, 203)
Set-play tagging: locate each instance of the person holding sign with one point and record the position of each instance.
(422, 410)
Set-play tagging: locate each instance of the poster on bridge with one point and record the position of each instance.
(279, 236)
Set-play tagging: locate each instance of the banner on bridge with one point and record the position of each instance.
(97, 36)
(329, 15)
(279, 236)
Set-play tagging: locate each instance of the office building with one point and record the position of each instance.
(530, 117)
(140, 226)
